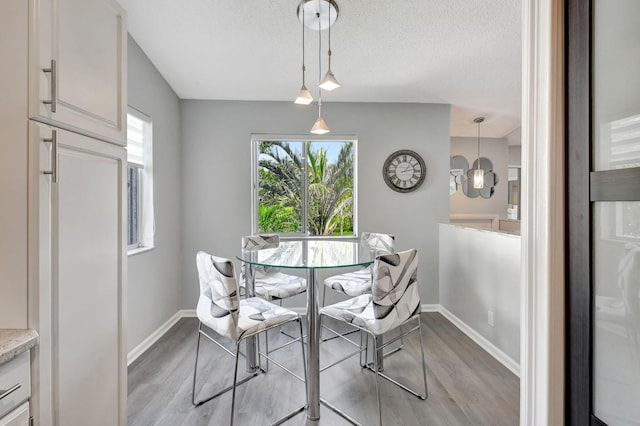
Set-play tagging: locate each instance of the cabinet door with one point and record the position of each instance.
(18, 417)
(81, 361)
(78, 66)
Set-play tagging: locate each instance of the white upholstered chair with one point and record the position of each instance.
(270, 283)
(394, 301)
(358, 282)
(222, 314)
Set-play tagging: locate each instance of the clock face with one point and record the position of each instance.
(404, 171)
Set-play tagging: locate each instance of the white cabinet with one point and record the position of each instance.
(70, 287)
(80, 236)
(18, 417)
(77, 61)
(15, 389)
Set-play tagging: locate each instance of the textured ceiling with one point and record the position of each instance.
(466, 53)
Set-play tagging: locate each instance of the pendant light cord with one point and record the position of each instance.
(329, 23)
(303, 67)
(319, 61)
(479, 144)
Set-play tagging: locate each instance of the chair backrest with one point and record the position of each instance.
(382, 242)
(219, 303)
(258, 242)
(261, 241)
(395, 288)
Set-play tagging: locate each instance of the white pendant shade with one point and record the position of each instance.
(329, 82)
(304, 97)
(478, 177)
(320, 127)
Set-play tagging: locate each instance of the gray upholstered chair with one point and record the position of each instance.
(221, 311)
(358, 282)
(270, 283)
(393, 302)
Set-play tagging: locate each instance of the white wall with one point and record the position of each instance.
(480, 272)
(496, 150)
(217, 174)
(154, 282)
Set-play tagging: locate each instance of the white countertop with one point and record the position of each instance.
(492, 231)
(14, 342)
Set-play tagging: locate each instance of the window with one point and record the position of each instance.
(304, 186)
(140, 222)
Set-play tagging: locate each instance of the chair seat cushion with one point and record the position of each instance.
(272, 284)
(351, 283)
(254, 315)
(359, 311)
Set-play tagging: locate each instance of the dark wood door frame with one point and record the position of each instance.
(578, 212)
(582, 187)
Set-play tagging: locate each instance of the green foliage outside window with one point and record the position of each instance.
(328, 184)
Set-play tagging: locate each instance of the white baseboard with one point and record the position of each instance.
(430, 307)
(156, 335)
(485, 344)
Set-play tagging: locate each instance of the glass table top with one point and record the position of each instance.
(312, 254)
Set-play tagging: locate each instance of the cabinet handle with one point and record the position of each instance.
(54, 156)
(54, 88)
(12, 389)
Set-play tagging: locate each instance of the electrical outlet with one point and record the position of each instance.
(490, 319)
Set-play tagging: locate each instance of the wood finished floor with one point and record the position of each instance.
(466, 385)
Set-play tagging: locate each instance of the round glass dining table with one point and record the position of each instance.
(310, 255)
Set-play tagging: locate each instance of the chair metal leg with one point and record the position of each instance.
(235, 382)
(424, 365)
(195, 369)
(377, 371)
(304, 369)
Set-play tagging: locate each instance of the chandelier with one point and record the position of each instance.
(317, 15)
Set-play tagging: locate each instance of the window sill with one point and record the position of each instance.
(138, 250)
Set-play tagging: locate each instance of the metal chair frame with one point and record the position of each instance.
(233, 387)
(373, 366)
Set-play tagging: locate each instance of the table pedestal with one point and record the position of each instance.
(313, 345)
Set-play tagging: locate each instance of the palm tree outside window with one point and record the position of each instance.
(304, 187)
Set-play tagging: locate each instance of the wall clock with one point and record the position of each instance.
(404, 171)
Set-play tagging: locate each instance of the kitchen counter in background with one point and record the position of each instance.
(14, 342)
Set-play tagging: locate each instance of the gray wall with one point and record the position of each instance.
(154, 293)
(480, 272)
(515, 155)
(496, 150)
(216, 187)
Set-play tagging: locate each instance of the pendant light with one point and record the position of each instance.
(478, 173)
(304, 97)
(329, 81)
(320, 127)
(312, 13)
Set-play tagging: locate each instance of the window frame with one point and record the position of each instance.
(145, 212)
(257, 138)
(138, 169)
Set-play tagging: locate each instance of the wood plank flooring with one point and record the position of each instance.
(466, 385)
